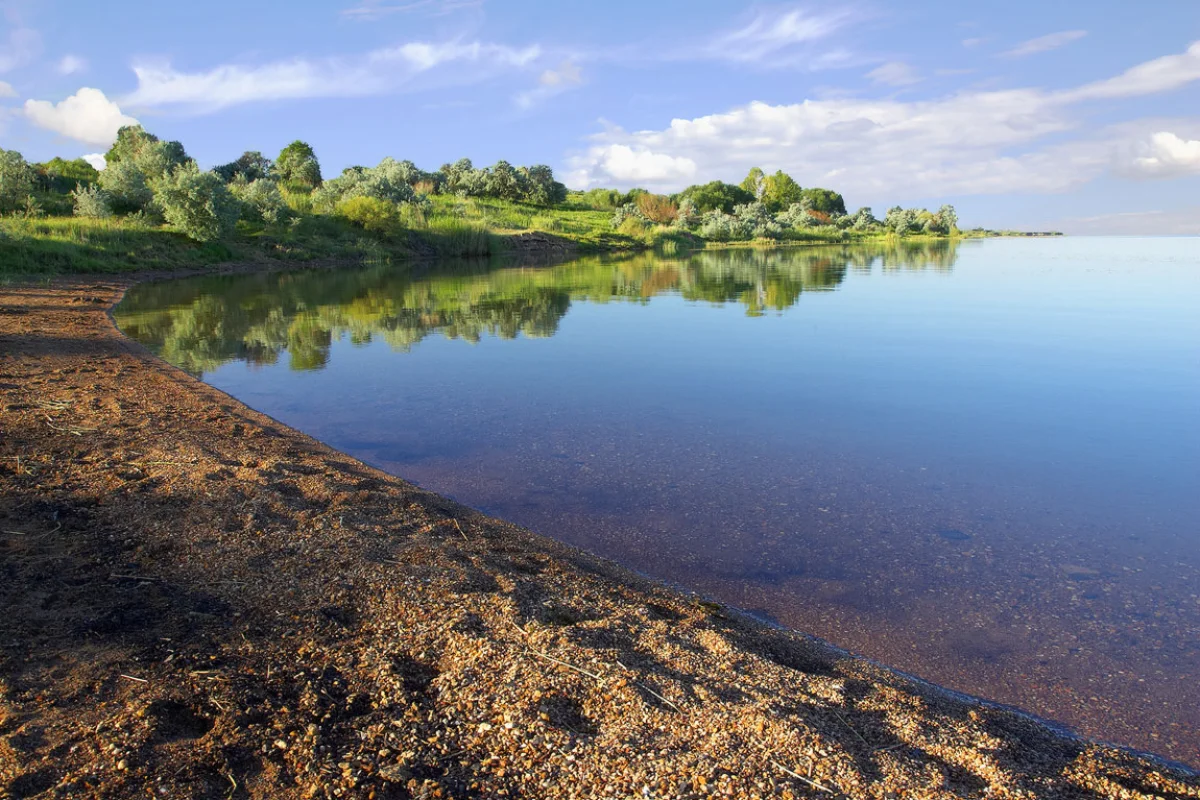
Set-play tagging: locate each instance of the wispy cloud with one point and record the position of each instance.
(1160, 75)
(550, 83)
(780, 37)
(894, 73)
(6, 89)
(1041, 44)
(370, 10)
(380, 71)
(21, 46)
(70, 64)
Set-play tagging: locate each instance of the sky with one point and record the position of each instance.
(1070, 115)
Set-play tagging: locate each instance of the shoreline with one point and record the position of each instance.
(201, 599)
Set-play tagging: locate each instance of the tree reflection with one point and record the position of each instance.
(201, 323)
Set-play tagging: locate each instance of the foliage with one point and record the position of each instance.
(540, 187)
(601, 199)
(126, 186)
(780, 191)
(754, 183)
(197, 204)
(657, 209)
(383, 182)
(718, 226)
(16, 181)
(716, 196)
(297, 166)
(371, 213)
(261, 200)
(250, 166)
(825, 200)
(686, 215)
(62, 176)
(756, 221)
(628, 211)
(92, 201)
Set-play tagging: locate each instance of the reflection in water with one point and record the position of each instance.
(202, 323)
(921, 460)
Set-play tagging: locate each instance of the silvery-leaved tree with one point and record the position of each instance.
(197, 204)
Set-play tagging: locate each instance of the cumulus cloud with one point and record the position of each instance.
(1165, 155)
(974, 142)
(894, 73)
(550, 83)
(96, 160)
(87, 116)
(6, 90)
(1041, 44)
(380, 71)
(70, 64)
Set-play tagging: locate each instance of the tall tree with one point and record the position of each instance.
(780, 191)
(753, 183)
(297, 165)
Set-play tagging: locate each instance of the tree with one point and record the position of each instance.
(16, 180)
(540, 186)
(91, 201)
(155, 158)
(824, 200)
(297, 166)
(780, 191)
(60, 175)
(197, 204)
(251, 165)
(949, 218)
(503, 182)
(753, 183)
(126, 186)
(716, 196)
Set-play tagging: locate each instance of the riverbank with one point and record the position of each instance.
(201, 602)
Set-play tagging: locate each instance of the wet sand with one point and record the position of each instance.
(201, 602)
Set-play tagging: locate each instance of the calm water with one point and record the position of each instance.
(977, 463)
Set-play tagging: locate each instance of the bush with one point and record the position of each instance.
(383, 182)
(126, 187)
(634, 227)
(261, 200)
(656, 208)
(718, 226)
(686, 215)
(16, 181)
(370, 213)
(197, 204)
(297, 166)
(92, 201)
(628, 211)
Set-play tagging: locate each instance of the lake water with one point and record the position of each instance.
(976, 462)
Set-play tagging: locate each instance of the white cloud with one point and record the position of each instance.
(87, 116)
(1041, 44)
(378, 72)
(894, 73)
(773, 36)
(974, 142)
(6, 90)
(96, 160)
(550, 83)
(626, 164)
(1160, 75)
(1165, 155)
(973, 42)
(21, 46)
(70, 64)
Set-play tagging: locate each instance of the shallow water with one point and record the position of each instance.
(978, 462)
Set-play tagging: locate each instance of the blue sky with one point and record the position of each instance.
(1078, 116)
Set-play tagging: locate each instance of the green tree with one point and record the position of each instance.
(297, 166)
(155, 158)
(716, 196)
(503, 182)
(60, 175)
(780, 191)
(251, 165)
(16, 180)
(753, 183)
(824, 200)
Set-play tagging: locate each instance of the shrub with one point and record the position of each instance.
(656, 208)
(16, 180)
(634, 227)
(92, 201)
(126, 186)
(261, 200)
(370, 213)
(197, 204)
(627, 211)
(718, 226)
(601, 199)
(251, 165)
(383, 182)
(686, 216)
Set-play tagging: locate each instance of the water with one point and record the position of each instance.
(977, 462)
